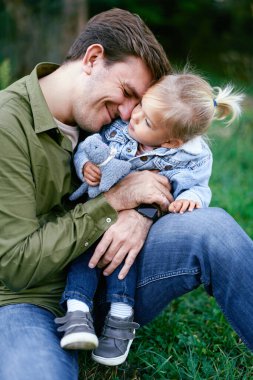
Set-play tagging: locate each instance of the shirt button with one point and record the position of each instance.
(86, 244)
(144, 158)
(129, 150)
(108, 220)
(168, 167)
(113, 133)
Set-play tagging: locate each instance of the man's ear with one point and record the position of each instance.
(172, 143)
(93, 53)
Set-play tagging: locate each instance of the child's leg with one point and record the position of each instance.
(120, 293)
(78, 296)
(119, 328)
(81, 284)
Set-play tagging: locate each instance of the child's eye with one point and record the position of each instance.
(148, 123)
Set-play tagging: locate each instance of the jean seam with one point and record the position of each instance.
(237, 330)
(180, 272)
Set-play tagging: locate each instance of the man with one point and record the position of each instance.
(105, 74)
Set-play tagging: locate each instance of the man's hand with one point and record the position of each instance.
(182, 205)
(123, 240)
(91, 174)
(140, 187)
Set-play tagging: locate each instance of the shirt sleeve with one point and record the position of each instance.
(32, 247)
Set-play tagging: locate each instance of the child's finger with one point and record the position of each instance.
(90, 177)
(95, 176)
(171, 207)
(95, 170)
(192, 205)
(175, 206)
(90, 168)
(92, 171)
(184, 207)
(92, 183)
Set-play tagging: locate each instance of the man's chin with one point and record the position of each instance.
(90, 128)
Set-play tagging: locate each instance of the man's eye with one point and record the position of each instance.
(126, 93)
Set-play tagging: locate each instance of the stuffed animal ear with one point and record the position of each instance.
(93, 144)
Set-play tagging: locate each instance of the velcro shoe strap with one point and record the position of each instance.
(118, 334)
(122, 325)
(73, 323)
(74, 319)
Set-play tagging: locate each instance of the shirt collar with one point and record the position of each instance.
(193, 146)
(43, 119)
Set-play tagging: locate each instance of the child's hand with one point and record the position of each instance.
(91, 173)
(182, 205)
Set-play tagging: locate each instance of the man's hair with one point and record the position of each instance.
(122, 34)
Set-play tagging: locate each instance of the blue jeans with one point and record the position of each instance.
(82, 283)
(30, 346)
(205, 246)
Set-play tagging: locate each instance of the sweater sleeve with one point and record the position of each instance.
(191, 183)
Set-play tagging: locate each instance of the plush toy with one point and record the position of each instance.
(112, 169)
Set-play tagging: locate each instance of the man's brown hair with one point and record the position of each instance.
(122, 34)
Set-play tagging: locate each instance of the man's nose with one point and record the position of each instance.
(126, 108)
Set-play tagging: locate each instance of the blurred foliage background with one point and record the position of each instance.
(214, 35)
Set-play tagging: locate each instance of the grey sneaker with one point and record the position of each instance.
(79, 331)
(115, 341)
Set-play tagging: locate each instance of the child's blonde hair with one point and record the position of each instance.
(188, 104)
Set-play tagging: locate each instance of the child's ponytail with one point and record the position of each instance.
(227, 103)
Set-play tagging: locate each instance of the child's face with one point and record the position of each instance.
(144, 126)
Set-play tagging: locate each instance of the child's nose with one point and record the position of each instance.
(136, 114)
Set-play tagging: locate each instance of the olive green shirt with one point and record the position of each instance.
(40, 234)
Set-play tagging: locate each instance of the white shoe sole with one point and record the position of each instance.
(79, 341)
(112, 361)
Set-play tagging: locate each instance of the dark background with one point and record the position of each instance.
(214, 35)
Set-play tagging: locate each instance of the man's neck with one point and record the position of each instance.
(57, 88)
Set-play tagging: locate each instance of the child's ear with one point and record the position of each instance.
(172, 143)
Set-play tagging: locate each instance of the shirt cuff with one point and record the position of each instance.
(99, 210)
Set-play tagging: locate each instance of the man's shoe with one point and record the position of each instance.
(79, 331)
(115, 341)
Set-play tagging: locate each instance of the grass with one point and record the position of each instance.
(191, 339)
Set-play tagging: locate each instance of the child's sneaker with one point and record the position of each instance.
(79, 331)
(115, 341)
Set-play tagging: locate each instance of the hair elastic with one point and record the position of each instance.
(214, 103)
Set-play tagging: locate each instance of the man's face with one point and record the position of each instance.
(109, 92)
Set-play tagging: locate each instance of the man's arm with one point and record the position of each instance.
(32, 247)
(35, 246)
(126, 237)
(140, 187)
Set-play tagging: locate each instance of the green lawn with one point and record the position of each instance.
(191, 339)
